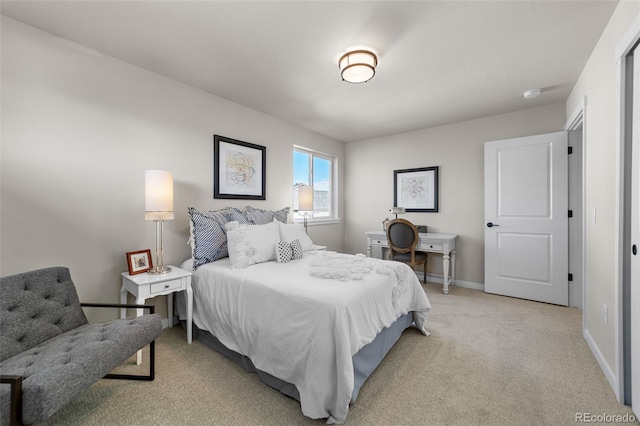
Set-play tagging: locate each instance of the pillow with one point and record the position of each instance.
(281, 215)
(295, 231)
(238, 216)
(251, 244)
(286, 252)
(209, 240)
(261, 217)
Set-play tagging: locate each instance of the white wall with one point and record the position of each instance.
(79, 129)
(458, 150)
(599, 81)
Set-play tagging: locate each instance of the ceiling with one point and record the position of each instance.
(439, 61)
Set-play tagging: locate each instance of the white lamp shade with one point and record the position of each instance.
(305, 198)
(358, 66)
(398, 210)
(158, 195)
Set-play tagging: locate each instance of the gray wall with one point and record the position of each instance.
(458, 151)
(600, 83)
(78, 131)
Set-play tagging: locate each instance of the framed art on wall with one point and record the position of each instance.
(238, 169)
(139, 261)
(416, 189)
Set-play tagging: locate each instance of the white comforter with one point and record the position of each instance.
(304, 328)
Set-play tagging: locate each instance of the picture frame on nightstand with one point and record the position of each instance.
(139, 261)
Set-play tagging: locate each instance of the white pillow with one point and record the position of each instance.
(251, 244)
(295, 231)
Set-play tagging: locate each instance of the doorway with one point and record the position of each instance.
(501, 281)
(577, 229)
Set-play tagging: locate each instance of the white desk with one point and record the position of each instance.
(431, 242)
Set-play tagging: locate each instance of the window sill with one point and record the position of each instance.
(314, 222)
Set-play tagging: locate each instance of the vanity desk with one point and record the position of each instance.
(430, 242)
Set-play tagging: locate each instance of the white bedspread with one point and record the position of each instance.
(304, 329)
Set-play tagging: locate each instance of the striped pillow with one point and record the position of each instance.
(239, 216)
(209, 237)
(262, 217)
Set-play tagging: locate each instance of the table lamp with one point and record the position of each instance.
(305, 201)
(398, 210)
(158, 206)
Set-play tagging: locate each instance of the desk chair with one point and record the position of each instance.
(402, 237)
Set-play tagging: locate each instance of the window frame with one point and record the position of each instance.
(333, 187)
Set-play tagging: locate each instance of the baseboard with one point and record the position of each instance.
(608, 373)
(437, 278)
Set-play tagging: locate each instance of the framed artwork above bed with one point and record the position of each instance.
(239, 169)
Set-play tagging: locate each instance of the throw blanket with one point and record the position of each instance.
(344, 267)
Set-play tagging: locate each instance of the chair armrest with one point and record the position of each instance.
(15, 416)
(152, 344)
(151, 308)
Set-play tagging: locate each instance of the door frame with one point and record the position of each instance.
(628, 42)
(577, 296)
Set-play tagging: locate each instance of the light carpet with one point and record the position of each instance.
(490, 360)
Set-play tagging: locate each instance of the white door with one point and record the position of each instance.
(526, 218)
(635, 241)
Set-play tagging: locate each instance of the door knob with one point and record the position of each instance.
(491, 224)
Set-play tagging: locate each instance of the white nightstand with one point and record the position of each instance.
(145, 286)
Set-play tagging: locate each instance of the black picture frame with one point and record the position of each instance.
(416, 189)
(239, 169)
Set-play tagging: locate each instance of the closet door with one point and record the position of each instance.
(635, 239)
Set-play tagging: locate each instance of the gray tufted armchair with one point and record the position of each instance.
(49, 353)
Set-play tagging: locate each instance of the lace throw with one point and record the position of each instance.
(346, 267)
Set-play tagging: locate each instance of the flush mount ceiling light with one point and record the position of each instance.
(358, 66)
(530, 94)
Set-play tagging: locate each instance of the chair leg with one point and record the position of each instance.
(15, 408)
(152, 368)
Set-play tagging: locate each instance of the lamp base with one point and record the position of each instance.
(157, 270)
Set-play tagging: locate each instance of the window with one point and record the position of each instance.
(316, 170)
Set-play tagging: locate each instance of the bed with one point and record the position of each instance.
(314, 327)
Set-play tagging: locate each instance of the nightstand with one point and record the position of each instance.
(145, 286)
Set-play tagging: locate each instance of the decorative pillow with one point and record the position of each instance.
(295, 231)
(220, 215)
(251, 244)
(281, 215)
(209, 240)
(238, 216)
(286, 252)
(261, 217)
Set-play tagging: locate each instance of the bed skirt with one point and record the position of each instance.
(365, 360)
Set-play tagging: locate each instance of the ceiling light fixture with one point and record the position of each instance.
(530, 94)
(358, 66)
